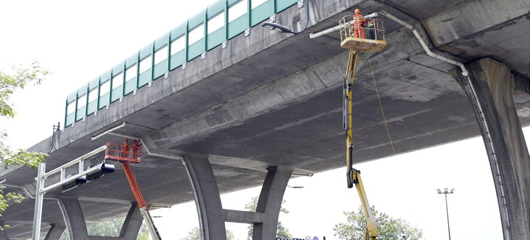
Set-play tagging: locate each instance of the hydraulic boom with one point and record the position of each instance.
(353, 175)
(120, 153)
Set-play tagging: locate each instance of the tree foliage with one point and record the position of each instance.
(110, 228)
(389, 228)
(9, 83)
(281, 232)
(195, 234)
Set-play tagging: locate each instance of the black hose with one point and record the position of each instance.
(285, 29)
(53, 136)
(51, 147)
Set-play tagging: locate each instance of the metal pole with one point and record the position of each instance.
(447, 210)
(39, 195)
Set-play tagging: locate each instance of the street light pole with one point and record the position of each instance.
(445, 192)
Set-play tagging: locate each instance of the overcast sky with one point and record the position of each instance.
(78, 41)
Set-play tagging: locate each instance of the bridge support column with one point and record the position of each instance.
(3, 233)
(55, 232)
(212, 216)
(132, 224)
(76, 224)
(74, 218)
(207, 197)
(270, 202)
(490, 94)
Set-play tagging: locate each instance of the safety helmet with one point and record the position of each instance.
(357, 11)
(126, 139)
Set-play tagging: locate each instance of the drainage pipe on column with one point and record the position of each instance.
(481, 118)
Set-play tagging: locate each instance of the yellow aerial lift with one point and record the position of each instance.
(358, 34)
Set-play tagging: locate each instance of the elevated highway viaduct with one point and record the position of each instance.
(267, 106)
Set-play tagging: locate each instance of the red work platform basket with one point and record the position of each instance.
(116, 152)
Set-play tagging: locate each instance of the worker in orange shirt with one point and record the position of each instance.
(136, 145)
(358, 23)
(125, 148)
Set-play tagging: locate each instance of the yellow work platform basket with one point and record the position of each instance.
(362, 34)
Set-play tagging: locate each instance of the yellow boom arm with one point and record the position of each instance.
(371, 224)
(354, 175)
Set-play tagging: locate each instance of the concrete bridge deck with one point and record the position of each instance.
(272, 99)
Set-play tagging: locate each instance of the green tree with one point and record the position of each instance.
(389, 228)
(195, 234)
(110, 228)
(281, 232)
(9, 83)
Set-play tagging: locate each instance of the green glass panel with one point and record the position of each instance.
(69, 119)
(93, 84)
(145, 78)
(162, 41)
(92, 107)
(177, 59)
(216, 7)
(196, 49)
(262, 12)
(82, 95)
(283, 4)
(216, 38)
(104, 100)
(80, 113)
(238, 26)
(178, 31)
(131, 85)
(116, 93)
(146, 51)
(232, 2)
(71, 97)
(131, 60)
(197, 20)
(161, 69)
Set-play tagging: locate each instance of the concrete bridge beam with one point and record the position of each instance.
(212, 216)
(490, 94)
(77, 230)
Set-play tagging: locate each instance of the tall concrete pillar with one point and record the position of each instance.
(74, 218)
(55, 232)
(270, 202)
(212, 216)
(76, 224)
(3, 233)
(490, 94)
(132, 224)
(207, 198)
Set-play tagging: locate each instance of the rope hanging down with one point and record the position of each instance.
(380, 103)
